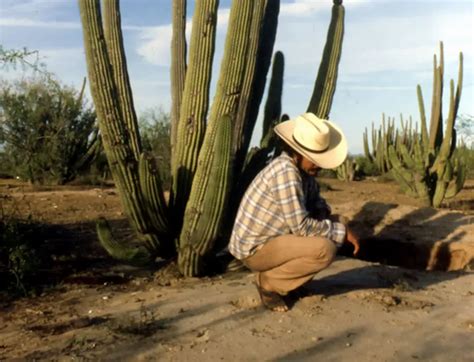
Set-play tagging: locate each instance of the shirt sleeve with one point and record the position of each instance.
(288, 193)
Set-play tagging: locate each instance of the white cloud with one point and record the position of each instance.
(26, 22)
(155, 42)
(374, 44)
(154, 45)
(305, 8)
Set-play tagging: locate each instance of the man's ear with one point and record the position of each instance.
(297, 158)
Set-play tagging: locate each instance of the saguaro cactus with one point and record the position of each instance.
(430, 170)
(204, 153)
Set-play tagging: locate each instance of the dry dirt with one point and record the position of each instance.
(363, 310)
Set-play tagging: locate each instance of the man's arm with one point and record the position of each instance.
(288, 193)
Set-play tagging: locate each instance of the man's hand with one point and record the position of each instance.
(353, 239)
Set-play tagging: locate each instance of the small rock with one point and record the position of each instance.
(202, 336)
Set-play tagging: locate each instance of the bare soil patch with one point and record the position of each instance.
(94, 308)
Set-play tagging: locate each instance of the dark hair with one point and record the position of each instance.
(285, 147)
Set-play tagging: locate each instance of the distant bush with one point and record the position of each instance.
(466, 154)
(155, 129)
(465, 136)
(47, 130)
(366, 167)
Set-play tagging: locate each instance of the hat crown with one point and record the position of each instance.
(311, 132)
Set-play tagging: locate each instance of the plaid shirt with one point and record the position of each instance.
(281, 200)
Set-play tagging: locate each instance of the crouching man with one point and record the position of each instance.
(283, 231)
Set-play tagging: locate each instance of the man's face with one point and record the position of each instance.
(307, 166)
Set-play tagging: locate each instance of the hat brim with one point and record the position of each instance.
(335, 154)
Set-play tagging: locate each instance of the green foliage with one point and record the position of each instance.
(24, 57)
(46, 129)
(466, 154)
(20, 257)
(465, 130)
(155, 132)
(366, 167)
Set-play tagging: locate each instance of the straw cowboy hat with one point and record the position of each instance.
(319, 140)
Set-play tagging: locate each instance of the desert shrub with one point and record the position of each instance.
(465, 137)
(46, 129)
(465, 130)
(366, 167)
(466, 154)
(20, 255)
(155, 129)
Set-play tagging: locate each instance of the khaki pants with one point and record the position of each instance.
(286, 262)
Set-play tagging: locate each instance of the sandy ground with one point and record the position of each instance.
(95, 309)
(356, 311)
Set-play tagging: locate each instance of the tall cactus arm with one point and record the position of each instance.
(120, 154)
(115, 48)
(325, 85)
(231, 77)
(366, 145)
(457, 99)
(436, 124)
(194, 105)
(131, 255)
(262, 34)
(249, 72)
(448, 145)
(178, 65)
(424, 129)
(205, 209)
(272, 111)
(152, 188)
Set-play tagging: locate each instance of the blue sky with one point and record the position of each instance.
(388, 49)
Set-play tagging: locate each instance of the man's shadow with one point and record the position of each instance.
(413, 241)
(395, 245)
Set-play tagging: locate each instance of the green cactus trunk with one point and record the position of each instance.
(178, 65)
(205, 209)
(231, 78)
(194, 106)
(114, 41)
(263, 33)
(116, 137)
(325, 86)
